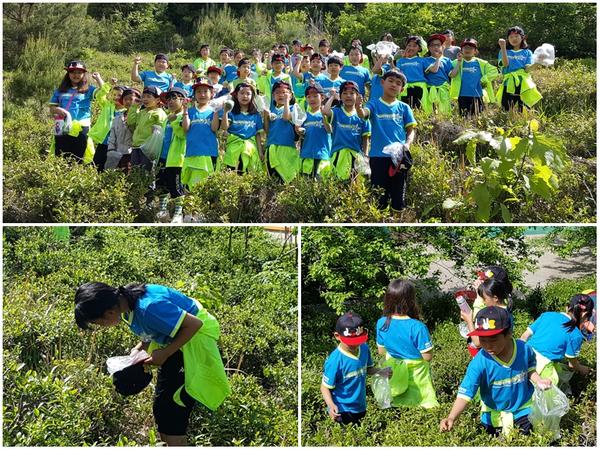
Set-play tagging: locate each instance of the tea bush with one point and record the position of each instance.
(57, 391)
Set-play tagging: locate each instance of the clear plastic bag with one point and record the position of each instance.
(218, 103)
(548, 407)
(117, 363)
(362, 165)
(384, 48)
(298, 116)
(395, 151)
(382, 391)
(260, 102)
(544, 55)
(153, 146)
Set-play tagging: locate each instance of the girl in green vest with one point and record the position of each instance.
(179, 335)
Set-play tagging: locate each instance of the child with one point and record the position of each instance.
(229, 69)
(503, 372)
(316, 140)
(437, 76)
(238, 55)
(451, 51)
(268, 79)
(517, 88)
(350, 131)
(157, 77)
(120, 136)
(315, 68)
(170, 161)
(188, 72)
(282, 155)
(244, 74)
(413, 67)
(380, 67)
(200, 123)
(406, 344)
(142, 121)
(109, 108)
(355, 71)
(74, 97)
(177, 332)
(344, 384)
(469, 76)
(213, 73)
(392, 121)
(365, 59)
(205, 61)
(331, 80)
(299, 86)
(245, 127)
(324, 50)
(257, 65)
(555, 335)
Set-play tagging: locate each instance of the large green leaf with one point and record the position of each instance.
(481, 195)
(506, 215)
(541, 182)
(471, 148)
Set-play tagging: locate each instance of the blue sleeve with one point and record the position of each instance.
(369, 359)
(408, 117)
(164, 316)
(367, 76)
(470, 383)
(370, 106)
(423, 339)
(366, 127)
(529, 59)
(379, 334)
(143, 75)
(535, 325)
(331, 372)
(54, 100)
(574, 345)
(260, 126)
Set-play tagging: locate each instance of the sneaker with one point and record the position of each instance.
(177, 218)
(163, 216)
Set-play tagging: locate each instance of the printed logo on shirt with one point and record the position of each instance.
(201, 121)
(356, 373)
(517, 57)
(393, 116)
(415, 64)
(470, 69)
(355, 128)
(517, 379)
(246, 124)
(314, 123)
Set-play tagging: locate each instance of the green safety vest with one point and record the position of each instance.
(411, 383)
(488, 74)
(242, 149)
(264, 83)
(529, 93)
(101, 128)
(142, 121)
(176, 153)
(439, 96)
(285, 160)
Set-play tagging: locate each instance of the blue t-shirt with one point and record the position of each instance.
(201, 140)
(167, 139)
(388, 123)
(158, 314)
(348, 130)
(81, 105)
(376, 87)
(244, 125)
(229, 73)
(470, 85)
(186, 87)
(359, 74)
(517, 59)
(504, 386)
(327, 83)
(405, 338)
(442, 75)
(414, 68)
(553, 340)
(160, 80)
(317, 142)
(281, 132)
(346, 375)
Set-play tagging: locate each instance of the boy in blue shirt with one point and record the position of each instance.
(344, 385)
(188, 72)
(392, 121)
(157, 77)
(504, 373)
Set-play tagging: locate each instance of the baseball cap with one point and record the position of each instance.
(350, 328)
(161, 56)
(296, 42)
(433, 37)
(131, 90)
(75, 65)
(315, 88)
(132, 379)
(491, 321)
(277, 57)
(154, 90)
(584, 301)
(189, 67)
(174, 90)
(202, 82)
(307, 46)
(279, 84)
(323, 43)
(496, 272)
(214, 69)
(348, 84)
(469, 41)
(335, 60)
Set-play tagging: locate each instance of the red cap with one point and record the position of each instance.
(214, 69)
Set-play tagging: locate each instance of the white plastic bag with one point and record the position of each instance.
(548, 407)
(362, 165)
(298, 115)
(544, 55)
(62, 125)
(384, 48)
(218, 103)
(116, 363)
(380, 386)
(260, 102)
(396, 151)
(153, 146)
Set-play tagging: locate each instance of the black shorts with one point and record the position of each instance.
(71, 146)
(413, 97)
(395, 186)
(469, 106)
(351, 417)
(510, 101)
(171, 418)
(139, 159)
(168, 179)
(523, 424)
(100, 156)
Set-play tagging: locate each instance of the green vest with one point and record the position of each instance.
(488, 74)
(101, 128)
(176, 153)
(529, 93)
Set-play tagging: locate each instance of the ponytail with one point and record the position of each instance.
(581, 305)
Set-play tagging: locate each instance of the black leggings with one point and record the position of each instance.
(510, 101)
(523, 424)
(413, 97)
(66, 145)
(469, 106)
(395, 185)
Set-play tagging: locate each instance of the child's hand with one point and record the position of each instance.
(137, 60)
(96, 76)
(446, 424)
(459, 57)
(333, 412)
(359, 101)
(502, 43)
(464, 316)
(158, 357)
(386, 372)
(544, 383)
(114, 81)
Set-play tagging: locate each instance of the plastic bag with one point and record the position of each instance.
(298, 116)
(117, 363)
(218, 103)
(548, 407)
(544, 55)
(362, 165)
(62, 125)
(384, 48)
(260, 102)
(382, 391)
(396, 151)
(153, 146)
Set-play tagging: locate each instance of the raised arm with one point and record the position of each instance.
(135, 75)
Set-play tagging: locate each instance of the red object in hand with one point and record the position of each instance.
(469, 295)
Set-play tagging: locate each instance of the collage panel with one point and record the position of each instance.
(448, 336)
(90, 313)
(299, 113)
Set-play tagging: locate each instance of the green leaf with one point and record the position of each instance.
(520, 149)
(541, 181)
(471, 148)
(481, 195)
(489, 166)
(506, 215)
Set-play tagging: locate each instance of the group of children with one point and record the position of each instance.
(300, 112)
(503, 371)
